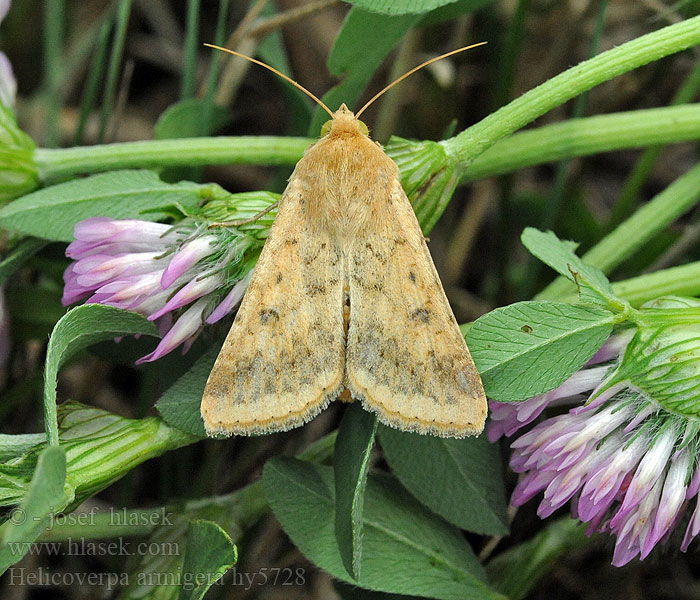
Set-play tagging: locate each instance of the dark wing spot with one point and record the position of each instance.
(412, 276)
(526, 329)
(420, 314)
(314, 288)
(268, 314)
(279, 277)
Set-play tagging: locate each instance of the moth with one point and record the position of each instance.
(344, 298)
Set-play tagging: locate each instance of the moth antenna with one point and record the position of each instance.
(412, 71)
(276, 72)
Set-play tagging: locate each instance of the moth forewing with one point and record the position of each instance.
(406, 358)
(345, 242)
(283, 360)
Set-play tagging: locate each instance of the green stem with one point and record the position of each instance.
(248, 504)
(62, 164)
(214, 69)
(636, 231)
(54, 16)
(655, 317)
(190, 55)
(569, 84)
(112, 524)
(512, 43)
(584, 137)
(676, 281)
(94, 79)
(577, 137)
(115, 60)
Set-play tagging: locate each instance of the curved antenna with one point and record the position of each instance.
(412, 71)
(276, 72)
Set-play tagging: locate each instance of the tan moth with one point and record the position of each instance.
(344, 296)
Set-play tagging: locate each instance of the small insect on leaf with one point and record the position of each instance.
(345, 299)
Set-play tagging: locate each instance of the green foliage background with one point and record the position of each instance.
(121, 110)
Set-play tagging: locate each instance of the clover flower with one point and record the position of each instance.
(626, 458)
(8, 93)
(182, 277)
(8, 83)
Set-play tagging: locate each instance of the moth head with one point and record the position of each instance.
(343, 122)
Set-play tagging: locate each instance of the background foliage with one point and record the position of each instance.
(431, 519)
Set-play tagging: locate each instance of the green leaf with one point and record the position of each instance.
(516, 571)
(208, 555)
(528, 348)
(186, 119)
(406, 549)
(235, 513)
(16, 257)
(450, 11)
(12, 446)
(146, 570)
(400, 7)
(592, 283)
(363, 42)
(351, 464)
(77, 329)
(46, 496)
(180, 403)
(458, 479)
(352, 592)
(51, 213)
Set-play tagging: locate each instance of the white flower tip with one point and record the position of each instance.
(8, 82)
(4, 8)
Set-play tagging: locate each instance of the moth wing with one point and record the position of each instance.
(406, 358)
(283, 359)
